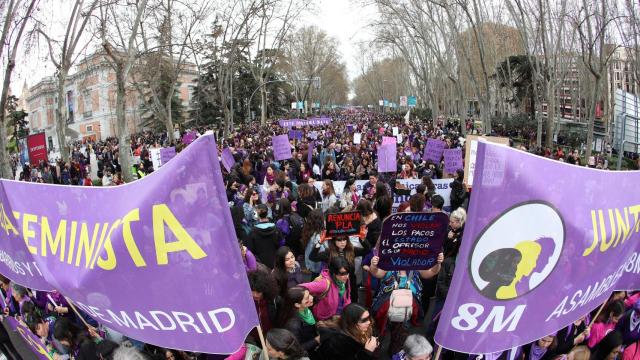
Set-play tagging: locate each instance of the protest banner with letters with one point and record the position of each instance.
(154, 156)
(167, 154)
(37, 144)
(433, 151)
(26, 343)
(452, 160)
(343, 223)
(471, 148)
(227, 159)
(295, 134)
(389, 140)
(281, 147)
(538, 251)
(412, 241)
(164, 236)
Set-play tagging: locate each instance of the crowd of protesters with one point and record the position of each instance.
(321, 297)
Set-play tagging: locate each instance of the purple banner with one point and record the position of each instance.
(433, 151)
(31, 347)
(281, 147)
(544, 244)
(389, 140)
(227, 159)
(412, 241)
(453, 160)
(319, 121)
(295, 134)
(167, 154)
(162, 266)
(189, 137)
(387, 158)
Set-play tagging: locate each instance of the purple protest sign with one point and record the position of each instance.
(350, 127)
(412, 241)
(387, 158)
(539, 251)
(295, 134)
(189, 137)
(310, 153)
(281, 147)
(162, 266)
(26, 343)
(453, 160)
(227, 159)
(389, 140)
(434, 149)
(167, 154)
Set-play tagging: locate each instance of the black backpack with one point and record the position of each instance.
(294, 238)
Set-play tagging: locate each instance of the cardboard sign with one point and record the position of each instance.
(412, 241)
(343, 224)
(37, 144)
(281, 147)
(471, 149)
(357, 138)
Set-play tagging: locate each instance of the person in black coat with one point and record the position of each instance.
(296, 316)
(264, 239)
(353, 340)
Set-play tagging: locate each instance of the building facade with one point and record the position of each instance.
(90, 101)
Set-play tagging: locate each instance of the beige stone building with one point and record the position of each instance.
(90, 99)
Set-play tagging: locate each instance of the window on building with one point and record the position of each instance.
(618, 76)
(89, 128)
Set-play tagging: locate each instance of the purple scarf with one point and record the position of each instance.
(536, 352)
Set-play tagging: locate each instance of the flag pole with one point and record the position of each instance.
(438, 352)
(265, 352)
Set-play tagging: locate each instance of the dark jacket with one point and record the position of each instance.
(263, 241)
(444, 277)
(305, 333)
(336, 345)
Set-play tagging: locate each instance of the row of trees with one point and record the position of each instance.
(505, 58)
(247, 54)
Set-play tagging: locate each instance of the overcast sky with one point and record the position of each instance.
(346, 20)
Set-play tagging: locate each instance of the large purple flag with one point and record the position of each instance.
(189, 137)
(281, 147)
(227, 159)
(453, 160)
(544, 244)
(387, 158)
(434, 149)
(157, 259)
(26, 343)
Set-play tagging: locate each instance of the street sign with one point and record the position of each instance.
(412, 101)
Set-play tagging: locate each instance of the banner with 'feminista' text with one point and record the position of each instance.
(545, 243)
(156, 259)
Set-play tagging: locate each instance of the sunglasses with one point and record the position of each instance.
(343, 273)
(365, 320)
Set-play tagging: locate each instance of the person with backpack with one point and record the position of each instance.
(264, 239)
(398, 300)
(290, 225)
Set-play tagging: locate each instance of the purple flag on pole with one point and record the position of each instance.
(227, 159)
(387, 158)
(295, 134)
(281, 147)
(434, 149)
(189, 137)
(453, 160)
(544, 244)
(167, 154)
(162, 266)
(310, 153)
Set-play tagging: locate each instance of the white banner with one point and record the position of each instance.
(357, 138)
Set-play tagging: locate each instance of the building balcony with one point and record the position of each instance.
(87, 114)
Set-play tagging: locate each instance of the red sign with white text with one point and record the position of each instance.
(37, 148)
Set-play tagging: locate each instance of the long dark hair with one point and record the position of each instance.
(280, 269)
(293, 296)
(349, 323)
(349, 253)
(283, 340)
(284, 208)
(364, 207)
(313, 224)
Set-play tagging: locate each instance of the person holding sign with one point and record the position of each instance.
(340, 246)
(390, 306)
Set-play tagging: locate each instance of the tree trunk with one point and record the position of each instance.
(124, 143)
(168, 121)
(592, 116)
(263, 105)
(61, 122)
(551, 114)
(5, 167)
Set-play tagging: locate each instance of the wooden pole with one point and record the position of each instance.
(598, 313)
(438, 352)
(78, 314)
(265, 352)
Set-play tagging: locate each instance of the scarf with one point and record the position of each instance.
(536, 352)
(307, 317)
(341, 287)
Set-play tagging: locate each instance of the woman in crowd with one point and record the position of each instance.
(382, 202)
(286, 271)
(363, 170)
(251, 201)
(371, 221)
(328, 195)
(456, 229)
(605, 322)
(265, 296)
(306, 200)
(329, 171)
(349, 198)
(383, 308)
(282, 344)
(311, 234)
(416, 347)
(304, 173)
(609, 347)
(353, 340)
(296, 316)
(332, 289)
